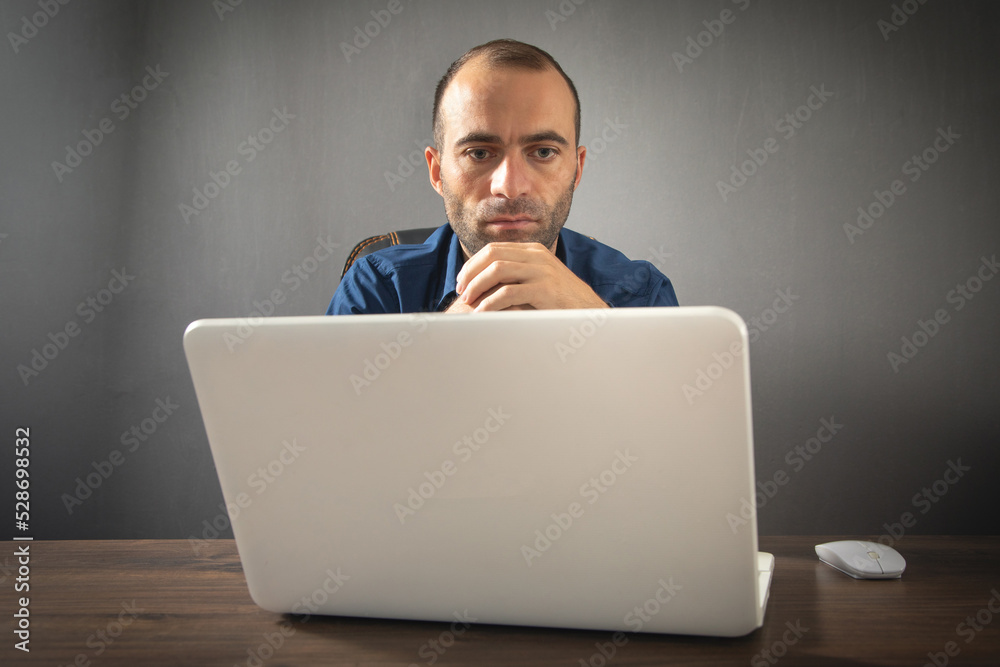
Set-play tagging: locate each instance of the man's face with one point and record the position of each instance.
(507, 167)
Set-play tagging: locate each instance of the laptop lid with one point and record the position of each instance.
(581, 469)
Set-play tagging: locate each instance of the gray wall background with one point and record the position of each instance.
(649, 188)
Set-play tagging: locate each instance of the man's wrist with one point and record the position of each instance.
(456, 305)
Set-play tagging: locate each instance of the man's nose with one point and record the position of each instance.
(511, 178)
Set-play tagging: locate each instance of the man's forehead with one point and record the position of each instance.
(480, 96)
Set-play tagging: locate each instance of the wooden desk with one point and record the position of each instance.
(156, 603)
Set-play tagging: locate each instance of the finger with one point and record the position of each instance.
(476, 264)
(491, 252)
(469, 307)
(480, 283)
(506, 297)
(500, 272)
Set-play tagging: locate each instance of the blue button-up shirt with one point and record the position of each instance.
(421, 278)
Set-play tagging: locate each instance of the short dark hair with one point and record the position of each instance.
(501, 54)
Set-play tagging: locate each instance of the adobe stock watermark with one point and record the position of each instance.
(272, 641)
(22, 622)
(787, 127)
(592, 490)
(305, 608)
(294, 277)
(796, 458)
(779, 648)
(407, 166)
(248, 150)
(901, 13)
(223, 7)
(43, 356)
(914, 168)
(968, 629)
(373, 367)
(924, 500)
(31, 25)
(566, 8)
(706, 377)
(464, 449)
(658, 257)
(259, 480)
(610, 132)
(769, 316)
(102, 639)
(722, 361)
(132, 439)
(121, 108)
(636, 619)
(637, 281)
(958, 298)
(431, 651)
(381, 19)
(697, 44)
(580, 333)
(311, 604)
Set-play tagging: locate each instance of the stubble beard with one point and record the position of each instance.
(469, 224)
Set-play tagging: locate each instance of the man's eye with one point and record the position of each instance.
(479, 154)
(546, 153)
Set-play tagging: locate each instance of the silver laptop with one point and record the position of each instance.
(575, 469)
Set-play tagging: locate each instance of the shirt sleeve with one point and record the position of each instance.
(364, 290)
(636, 284)
(663, 293)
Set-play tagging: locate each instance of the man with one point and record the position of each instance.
(507, 159)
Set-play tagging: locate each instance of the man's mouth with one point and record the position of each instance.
(510, 222)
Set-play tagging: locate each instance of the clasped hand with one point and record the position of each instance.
(519, 276)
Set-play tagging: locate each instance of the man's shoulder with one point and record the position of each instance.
(429, 253)
(581, 243)
(599, 260)
(401, 278)
(615, 277)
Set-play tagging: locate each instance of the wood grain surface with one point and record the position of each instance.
(154, 602)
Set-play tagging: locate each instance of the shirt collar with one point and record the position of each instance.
(561, 249)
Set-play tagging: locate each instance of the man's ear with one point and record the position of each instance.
(581, 157)
(434, 167)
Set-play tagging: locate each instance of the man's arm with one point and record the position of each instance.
(364, 290)
(520, 275)
(663, 293)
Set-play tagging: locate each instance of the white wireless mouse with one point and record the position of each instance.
(862, 560)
